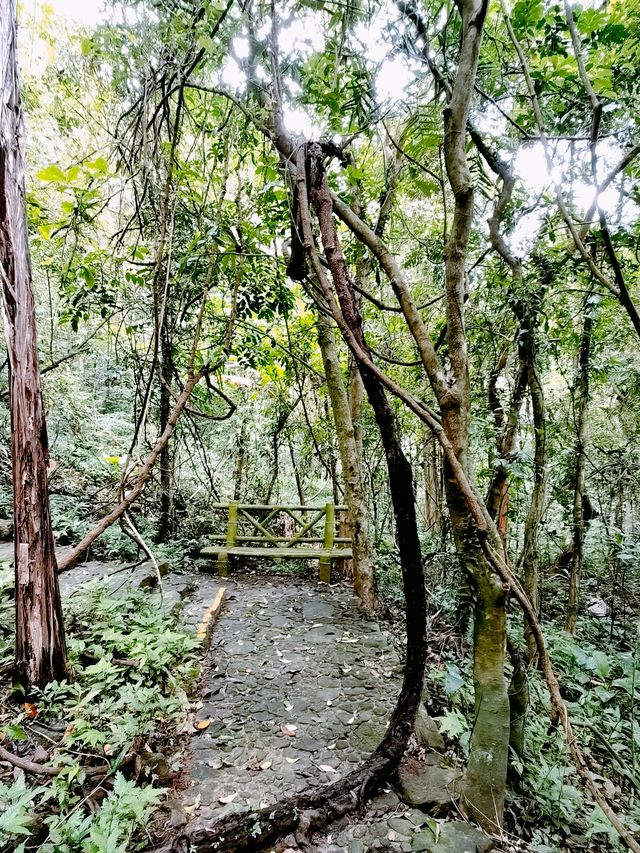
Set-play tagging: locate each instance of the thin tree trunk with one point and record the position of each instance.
(432, 483)
(296, 473)
(240, 462)
(529, 559)
(351, 468)
(581, 406)
(166, 520)
(40, 654)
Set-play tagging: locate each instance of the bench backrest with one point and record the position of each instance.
(281, 525)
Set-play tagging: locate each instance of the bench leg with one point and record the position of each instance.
(223, 564)
(325, 570)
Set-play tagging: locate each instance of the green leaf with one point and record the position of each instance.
(452, 723)
(601, 664)
(453, 680)
(52, 173)
(14, 731)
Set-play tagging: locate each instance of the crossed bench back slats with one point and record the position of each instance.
(255, 530)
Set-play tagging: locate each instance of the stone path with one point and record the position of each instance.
(300, 688)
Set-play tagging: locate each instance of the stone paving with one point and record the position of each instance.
(300, 688)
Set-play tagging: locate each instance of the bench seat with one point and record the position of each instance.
(214, 551)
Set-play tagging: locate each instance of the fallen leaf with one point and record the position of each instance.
(229, 799)
(289, 729)
(192, 808)
(31, 710)
(201, 725)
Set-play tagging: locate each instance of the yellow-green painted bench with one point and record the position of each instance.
(250, 533)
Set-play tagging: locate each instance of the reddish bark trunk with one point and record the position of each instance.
(40, 654)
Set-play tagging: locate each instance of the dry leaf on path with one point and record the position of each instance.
(229, 799)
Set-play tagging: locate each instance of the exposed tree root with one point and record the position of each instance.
(303, 813)
(44, 770)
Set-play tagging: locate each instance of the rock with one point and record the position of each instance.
(423, 841)
(598, 608)
(426, 730)
(177, 816)
(423, 785)
(460, 837)
(401, 826)
(40, 754)
(368, 735)
(157, 763)
(316, 609)
(6, 530)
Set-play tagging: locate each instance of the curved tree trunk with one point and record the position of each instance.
(40, 655)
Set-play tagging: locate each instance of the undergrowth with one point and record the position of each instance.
(548, 806)
(106, 730)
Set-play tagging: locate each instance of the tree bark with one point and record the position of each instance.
(167, 517)
(431, 464)
(581, 407)
(351, 464)
(40, 654)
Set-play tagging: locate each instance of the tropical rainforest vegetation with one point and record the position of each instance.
(381, 254)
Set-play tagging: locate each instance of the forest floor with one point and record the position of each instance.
(297, 685)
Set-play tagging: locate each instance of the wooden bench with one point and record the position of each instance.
(250, 533)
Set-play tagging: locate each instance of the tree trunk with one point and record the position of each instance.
(240, 462)
(485, 780)
(351, 464)
(431, 463)
(167, 518)
(529, 559)
(581, 405)
(40, 654)
(296, 473)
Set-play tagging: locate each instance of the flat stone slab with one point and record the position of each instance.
(427, 785)
(460, 837)
(426, 730)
